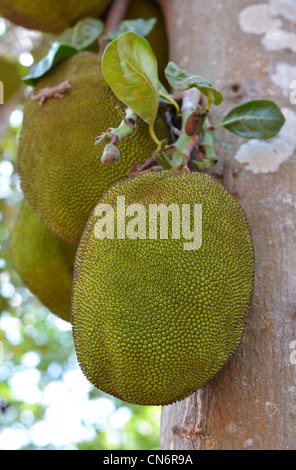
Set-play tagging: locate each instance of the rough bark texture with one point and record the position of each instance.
(251, 403)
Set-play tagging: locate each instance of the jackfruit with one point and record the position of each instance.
(60, 168)
(53, 16)
(158, 38)
(153, 319)
(44, 262)
(9, 77)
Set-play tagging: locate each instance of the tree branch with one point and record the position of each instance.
(116, 14)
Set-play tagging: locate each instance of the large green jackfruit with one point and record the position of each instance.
(52, 16)
(152, 320)
(9, 76)
(44, 262)
(158, 38)
(60, 168)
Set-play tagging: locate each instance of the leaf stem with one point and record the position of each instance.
(171, 100)
(153, 136)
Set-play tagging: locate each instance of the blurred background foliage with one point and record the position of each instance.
(45, 401)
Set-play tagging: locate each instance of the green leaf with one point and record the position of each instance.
(56, 53)
(139, 26)
(181, 80)
(130, 68)
(72, 40)
(259, 119)
(83, 34)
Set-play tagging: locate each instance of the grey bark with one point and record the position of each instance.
(251, 402)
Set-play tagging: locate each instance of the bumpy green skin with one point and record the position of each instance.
(158, 38)
(151, 322)
(44, 262)
(60, 167)
(9, 76)
(52, 16)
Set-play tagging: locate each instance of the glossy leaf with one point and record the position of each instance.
(130, 68)
(259, 119)
(56, 53)
(182, 80)
(83, 34)
(139, 26)
(72, 40)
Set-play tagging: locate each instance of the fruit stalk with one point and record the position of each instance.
(208, 145)
(115, 135)
(185, 143)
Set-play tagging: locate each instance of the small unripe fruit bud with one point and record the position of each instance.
(194, 122)
(110, 155)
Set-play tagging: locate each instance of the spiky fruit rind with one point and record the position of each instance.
(153, 322)
(53, 16)
(60, 168)
(44, 262)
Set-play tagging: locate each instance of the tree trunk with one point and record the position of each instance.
(251, 402)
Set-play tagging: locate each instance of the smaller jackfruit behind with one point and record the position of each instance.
(9, 76)
(51, 16)
(44, 262)
(60, 166)
(158, 38)
(154, 320)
